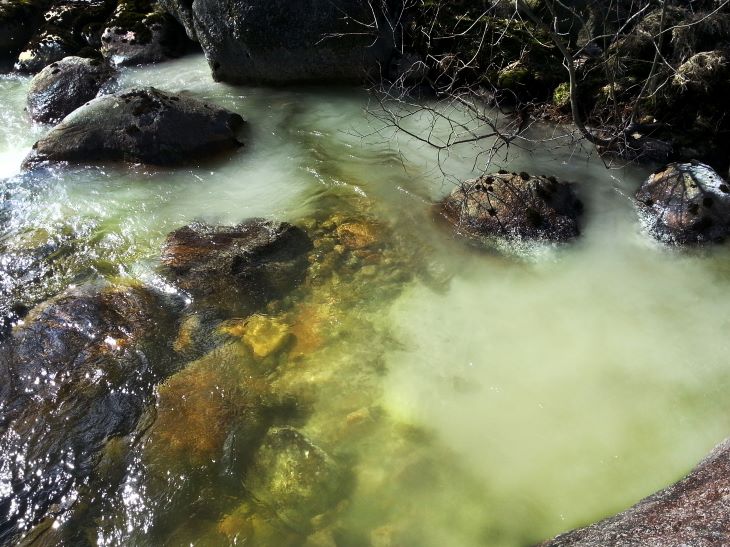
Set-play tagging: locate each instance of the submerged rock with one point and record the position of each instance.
(204, 410)
(695, 511)
(140, 125)
(685, 203)
(514, 206)
(237, 268)
(279, 41)
(357, 235)
(141, 32)
(295, 478)
(81, 369)
(62, 87)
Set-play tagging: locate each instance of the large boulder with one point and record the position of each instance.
(80, 371)
(141, 32)
(182, 11)
(237, 268)
(280, 41)
(695, 511)
(514, 206)
(141, 126)
(685, 203)
(63, 86)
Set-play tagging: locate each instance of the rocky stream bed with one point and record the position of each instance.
(234, 314)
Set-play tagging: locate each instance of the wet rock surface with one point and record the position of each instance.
(82, 369)
(140, 126)
(694, 511)
(282, 41)
(140, 32)
(239, 268)
(63, 86)
(685, 203)
(514, 206)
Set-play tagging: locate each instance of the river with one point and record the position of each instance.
(476, 398)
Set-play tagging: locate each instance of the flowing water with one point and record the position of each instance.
(473, 398)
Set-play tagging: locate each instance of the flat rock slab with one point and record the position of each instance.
(140, 126)
(238, 267)
(693, 512)
(62, 87)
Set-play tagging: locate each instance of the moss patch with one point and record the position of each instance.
(561, 95)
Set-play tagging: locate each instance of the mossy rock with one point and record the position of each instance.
(201, 408)
(514, 77)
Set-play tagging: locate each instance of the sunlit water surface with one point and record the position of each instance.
(505, 399)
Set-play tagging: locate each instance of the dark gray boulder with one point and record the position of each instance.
(514, 206)
(141, 32)
(693, 512)
(182, 11)
(280, 41)
(63, 86)
(237, 268)
(685, 203)
(80, 371)
(140, 126)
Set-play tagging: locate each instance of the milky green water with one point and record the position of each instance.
(505, 399)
